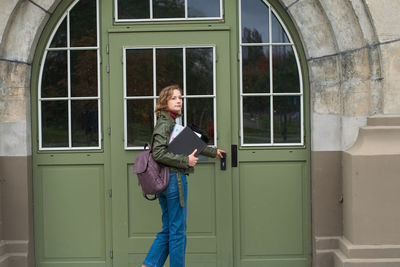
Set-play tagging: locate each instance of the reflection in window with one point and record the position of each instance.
(271, 89)
(192, 68)
(69, 101)
(128, 10)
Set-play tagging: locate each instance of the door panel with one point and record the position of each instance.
(70, 203)
(136, 220)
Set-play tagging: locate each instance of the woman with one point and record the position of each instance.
(172, 239)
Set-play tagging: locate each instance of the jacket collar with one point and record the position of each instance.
(166, 115)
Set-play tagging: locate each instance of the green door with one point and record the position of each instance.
(140, 65)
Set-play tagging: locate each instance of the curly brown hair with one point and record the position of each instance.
(165, 95)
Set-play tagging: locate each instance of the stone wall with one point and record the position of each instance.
(353, 54)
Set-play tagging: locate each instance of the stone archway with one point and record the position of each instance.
(346, 55)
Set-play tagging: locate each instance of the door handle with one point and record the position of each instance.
(234, 155)
(223, 162)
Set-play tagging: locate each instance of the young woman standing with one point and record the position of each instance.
(172, 239)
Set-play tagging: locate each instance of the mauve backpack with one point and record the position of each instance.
(153, 177)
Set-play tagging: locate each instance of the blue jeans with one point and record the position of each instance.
(172, 239)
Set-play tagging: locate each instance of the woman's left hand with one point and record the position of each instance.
(219, 153)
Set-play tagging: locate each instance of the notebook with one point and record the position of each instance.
(185, 142)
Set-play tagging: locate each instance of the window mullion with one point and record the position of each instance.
(154, 84)
(151, 9)
(184, 86)
(271, 85)
(69, 80)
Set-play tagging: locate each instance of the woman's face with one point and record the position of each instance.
(175, 102)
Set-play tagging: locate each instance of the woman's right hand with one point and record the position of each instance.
(192, 159)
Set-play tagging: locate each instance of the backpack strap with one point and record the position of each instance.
(146, 196)
(180, 187)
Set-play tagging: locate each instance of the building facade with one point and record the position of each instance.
(303, 94)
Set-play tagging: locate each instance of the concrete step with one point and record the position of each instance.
(353, 251)
(383, 120)
(340, 260)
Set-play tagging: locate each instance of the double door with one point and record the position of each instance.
(256, 212)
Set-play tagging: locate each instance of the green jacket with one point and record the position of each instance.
(160, 139)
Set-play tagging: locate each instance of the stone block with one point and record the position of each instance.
(15, 139)
(48, 5)
(14, 91)
(6, 9)
(350, 128)
(327, 99)
(288, 2)
(314, 28)
(344, 24)
(385, 17)
(356, 65)
(356, 97)
(391, 66)
(25, 28)
(326, 132)
(325, 85)
(364, 21)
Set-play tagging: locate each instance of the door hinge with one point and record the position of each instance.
(108, 68)
(108, 49)
(110, 193)
(111, 254)
(109, 130)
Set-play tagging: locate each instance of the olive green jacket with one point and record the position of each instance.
(160, 140)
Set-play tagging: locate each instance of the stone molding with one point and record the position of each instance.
(13, 253)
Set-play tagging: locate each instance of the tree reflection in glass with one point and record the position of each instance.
(139, 72)
(278, 33)
(138, 9)
(60, 38)
(256, 119)
(200, 112)
(199, 71)
(255, 21)
(255, 69)
(83, 21)
(203, 8)
(168, 8)
(84, 73)
(55, 75)
(287, 119)
(284, 69)
(54, 123)
(84, 123)
(140, 121)
(169, 67)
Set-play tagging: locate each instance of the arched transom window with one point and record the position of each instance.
(69, 84)
(270, 83)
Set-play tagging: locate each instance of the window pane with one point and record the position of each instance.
(83, 31)
(140, 121)
(84, 73)
(256, 119)
(60, 38)
(139, 72)
(278, 33)
(285, 71)
(203, 8)
(54, 78)
(168, 8)
(169, 67)
(255, 21)
(287, 119)
(54, 123)
(84, 123)
(199, 71)
(200, 112)
(255, 69)
(138, 9)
